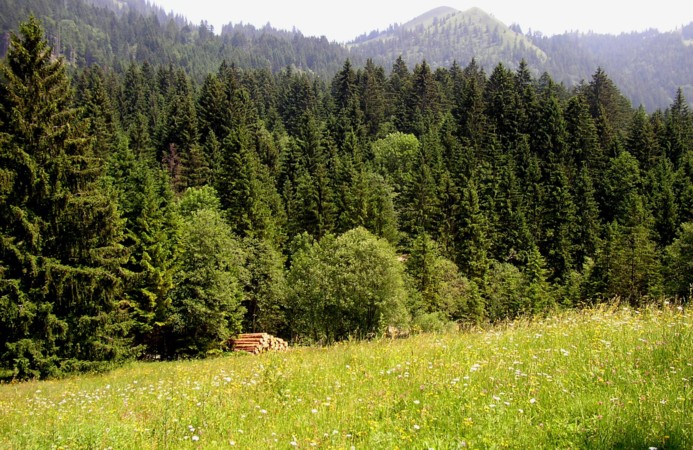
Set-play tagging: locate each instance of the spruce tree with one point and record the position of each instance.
(61, 234)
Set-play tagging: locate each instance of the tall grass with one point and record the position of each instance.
(602, 378)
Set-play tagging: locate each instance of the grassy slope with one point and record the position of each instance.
(597, 379)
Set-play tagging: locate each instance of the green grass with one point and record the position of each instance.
(595, 379)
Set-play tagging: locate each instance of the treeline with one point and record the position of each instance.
(146, 215)
(647, 66)
(114, 34)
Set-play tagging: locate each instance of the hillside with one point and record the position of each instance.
(648, 66)
(114, 33)
(599, 379)
(444, 35)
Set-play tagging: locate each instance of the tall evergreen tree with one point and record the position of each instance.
(641, 141)
(60, 234)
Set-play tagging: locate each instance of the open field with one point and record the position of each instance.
(603, 378)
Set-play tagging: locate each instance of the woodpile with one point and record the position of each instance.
(257, 343)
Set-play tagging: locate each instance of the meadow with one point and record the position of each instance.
(607, 377)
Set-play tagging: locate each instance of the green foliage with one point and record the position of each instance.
(205, 302)
(224, 186)
(346, 286)
(443, 291)
(679, 263)
(152, 228)
(265, 288)
(61, 235)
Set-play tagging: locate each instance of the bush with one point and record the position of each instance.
(349, 286)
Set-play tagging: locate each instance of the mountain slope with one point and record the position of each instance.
(444, 35)
(647, 66)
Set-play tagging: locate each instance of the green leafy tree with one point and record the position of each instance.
(205, 302)
(265, 288)
(348, 286)
(442, 290)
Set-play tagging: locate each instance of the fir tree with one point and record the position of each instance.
(61, 234)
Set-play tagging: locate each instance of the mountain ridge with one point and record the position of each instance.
(648, 66)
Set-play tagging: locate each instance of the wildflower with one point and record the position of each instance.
(416, 427)
(232, 443)
(293, 443)
(314, 411)
(195, 438)
(416, 402)
(263, 411)
(532, 400)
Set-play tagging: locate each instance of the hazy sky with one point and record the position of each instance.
(344, 20)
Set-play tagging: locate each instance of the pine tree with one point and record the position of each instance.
(582, 141)
(473, 241)
(152, 230)
(641, 141)
(559, 223)
(679, 130)
(502, 106)
(372, 95)
(587, 223)
(97, 110)
(398, 90)
(662, 201)
(61, 234)
(548, 133)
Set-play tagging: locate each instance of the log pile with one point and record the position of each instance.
(257, 343)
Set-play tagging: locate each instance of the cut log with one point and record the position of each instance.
(256, 343)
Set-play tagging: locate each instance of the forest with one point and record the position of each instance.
(146, 213)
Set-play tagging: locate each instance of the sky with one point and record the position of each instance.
(344, 20)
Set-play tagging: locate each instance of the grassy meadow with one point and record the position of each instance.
(601, 378)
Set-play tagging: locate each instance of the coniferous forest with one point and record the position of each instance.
(147, 213)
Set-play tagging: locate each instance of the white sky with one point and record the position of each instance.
(344, 20)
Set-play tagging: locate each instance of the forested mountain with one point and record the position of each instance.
(113, 33)
(445, 35)
(151, 209)
(649, 66)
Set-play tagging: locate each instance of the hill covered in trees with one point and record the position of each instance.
(648, 66)
(144, 213)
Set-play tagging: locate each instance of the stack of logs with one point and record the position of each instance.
(256, 343)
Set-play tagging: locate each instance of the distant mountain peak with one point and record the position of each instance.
(444, 35)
